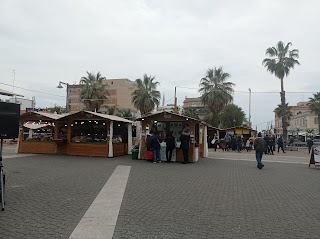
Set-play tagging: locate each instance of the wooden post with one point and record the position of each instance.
(129, 138)
(205, 141)
(56, 130)
(110, 153)
(69, 131)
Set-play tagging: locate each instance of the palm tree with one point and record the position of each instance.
(216, 92)
(281, 60)
(310, 131)
(127, 114)
(111, 110)
(314, 105)
(93, 91)
(146, 97)
(192, 113)
(286, 110)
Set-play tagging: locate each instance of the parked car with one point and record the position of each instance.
(316, 141)
(298, 143)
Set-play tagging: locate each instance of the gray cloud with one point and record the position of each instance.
(177, 41)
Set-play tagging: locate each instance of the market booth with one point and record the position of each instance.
(82, 133)
(164, 122)
(247, 132)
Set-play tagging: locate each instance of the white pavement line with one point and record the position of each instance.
(18, 156)
(100, 219)
(264, 160)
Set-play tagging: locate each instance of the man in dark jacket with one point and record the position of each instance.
(171, 144)
(280, 144)
(260, 147)
(185, 139)
(309, 143)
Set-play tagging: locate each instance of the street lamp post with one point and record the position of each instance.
(175, 99)
(67, 96)
(249, 107)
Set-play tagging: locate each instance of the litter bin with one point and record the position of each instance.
(135, 153)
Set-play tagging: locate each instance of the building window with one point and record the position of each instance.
(316, 120)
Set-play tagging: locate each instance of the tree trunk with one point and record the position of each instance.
(284, 117)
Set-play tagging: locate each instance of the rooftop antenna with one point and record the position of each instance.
(14, 78)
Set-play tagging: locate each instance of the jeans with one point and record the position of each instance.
(169, 154)
(280, 146)
(259, 157)
(185, 155)
(156, 155)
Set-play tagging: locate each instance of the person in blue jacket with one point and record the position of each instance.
(155, 145)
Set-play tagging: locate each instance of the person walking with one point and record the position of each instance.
(273, 143)
(239, 143)
(280, 144)
(155, 145)
(184, 139)
(215, 142)
(260, 146)
(309, 143)
(171, 144)
(227, 140)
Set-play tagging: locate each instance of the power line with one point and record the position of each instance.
(32, 90)
(256, 92)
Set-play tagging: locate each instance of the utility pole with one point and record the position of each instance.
(14, 78)
(249, 107)
(175, 99)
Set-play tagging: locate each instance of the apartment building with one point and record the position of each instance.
(196, 104)
(302, 119)
(119, 90)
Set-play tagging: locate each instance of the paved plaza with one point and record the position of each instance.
(223, 196)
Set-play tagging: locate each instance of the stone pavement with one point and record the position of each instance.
(214, 198)
(46, 196)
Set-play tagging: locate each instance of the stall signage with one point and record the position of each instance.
(315, 156)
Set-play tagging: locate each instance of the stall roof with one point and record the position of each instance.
(8, 93)
(169, 112)
(111, 117)
(238, 127)
(35, 126)
(47, 115)
(104, 116)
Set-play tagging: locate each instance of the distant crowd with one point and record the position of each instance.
(239, 143)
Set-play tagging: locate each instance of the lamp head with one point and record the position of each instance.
(59, 86)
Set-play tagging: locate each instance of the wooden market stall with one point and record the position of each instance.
(164, 122)
(247, 132)
(82, 133)
(37, 133)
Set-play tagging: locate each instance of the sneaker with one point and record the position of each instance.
(159, 161)
(154, 162)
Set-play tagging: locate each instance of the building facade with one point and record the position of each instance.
(301, 122)
(119, 90)
(195, 104)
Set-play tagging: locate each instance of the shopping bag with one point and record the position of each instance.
(149, 155)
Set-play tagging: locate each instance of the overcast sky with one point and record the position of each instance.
(176, 40)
